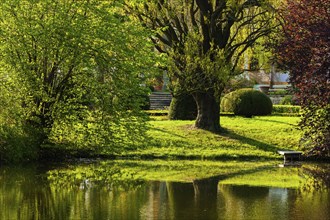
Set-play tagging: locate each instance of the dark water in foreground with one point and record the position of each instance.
(77, 192)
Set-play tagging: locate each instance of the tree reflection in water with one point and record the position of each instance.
(117, 191)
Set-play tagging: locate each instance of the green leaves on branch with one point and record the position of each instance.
(76, 67)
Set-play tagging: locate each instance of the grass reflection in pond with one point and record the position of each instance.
(288, 177)
(308, 175)
(178, 171)
(131, 172)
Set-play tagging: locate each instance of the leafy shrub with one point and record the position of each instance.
(286, 109)
(239, 82)
(279, 92)
(18, 144)
(315, 124)
(287, 100)
(246, 102)
(145, 102)
(183, 107)
(157, 112)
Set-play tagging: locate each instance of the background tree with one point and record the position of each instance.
(305, 50)
(70, 72)
(204, 41)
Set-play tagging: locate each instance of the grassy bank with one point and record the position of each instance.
(244, 138)
(257, 138)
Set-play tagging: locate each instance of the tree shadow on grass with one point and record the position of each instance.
(167, 132)
(253, 142)
(273, 121)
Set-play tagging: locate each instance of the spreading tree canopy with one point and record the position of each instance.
(204, 41)
(70, 71)
(305, 50)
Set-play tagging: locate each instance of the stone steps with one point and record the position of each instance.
(160, 100)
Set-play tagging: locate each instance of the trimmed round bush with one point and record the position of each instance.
(246, 102)
(183, 107)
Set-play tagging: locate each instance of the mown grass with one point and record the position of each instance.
(244, 138)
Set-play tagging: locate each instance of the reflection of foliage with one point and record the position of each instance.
(319, 176)
(110, 192)
(25, 193)
(89, 175)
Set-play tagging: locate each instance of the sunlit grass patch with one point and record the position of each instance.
(244, 138)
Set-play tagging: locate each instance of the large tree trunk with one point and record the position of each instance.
(208, 116)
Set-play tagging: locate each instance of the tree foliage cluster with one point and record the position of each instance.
(204, 41)
(305, 50)
(70, 74)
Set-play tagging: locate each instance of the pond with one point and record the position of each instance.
(165, 190)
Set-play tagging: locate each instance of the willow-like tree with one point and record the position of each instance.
(204, 41)
(70, 71)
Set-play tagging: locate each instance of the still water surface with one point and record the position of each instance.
(112, 191)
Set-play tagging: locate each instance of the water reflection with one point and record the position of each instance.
(110, 192)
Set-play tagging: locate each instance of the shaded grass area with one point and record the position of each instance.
(244, 138)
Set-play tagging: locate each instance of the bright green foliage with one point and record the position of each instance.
(247, 102)
(205, 41)
(286, 109)
(71, 71)
(287, 100)
(183, 107)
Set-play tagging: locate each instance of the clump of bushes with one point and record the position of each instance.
(18, 143)
(246, 102)
(183, 107)
(287, 100)
(280, 92)
(286, 109)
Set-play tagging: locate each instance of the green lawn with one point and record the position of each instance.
(245, 138)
